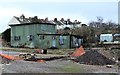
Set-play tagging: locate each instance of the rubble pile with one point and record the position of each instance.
(94, 58)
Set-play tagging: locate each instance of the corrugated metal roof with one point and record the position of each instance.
(106, 35)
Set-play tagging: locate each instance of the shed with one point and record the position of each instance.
(106, 37)
(39, 33)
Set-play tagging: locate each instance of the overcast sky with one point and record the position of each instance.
(82, 10)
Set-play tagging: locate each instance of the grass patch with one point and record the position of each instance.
(73, 69)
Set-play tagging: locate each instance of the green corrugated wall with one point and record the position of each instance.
(47, 41)
(24, 30)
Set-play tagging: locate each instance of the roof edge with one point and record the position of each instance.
(30, 24)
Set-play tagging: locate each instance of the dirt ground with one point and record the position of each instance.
(54, 66)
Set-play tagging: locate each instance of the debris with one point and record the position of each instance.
(40, 60)
(109, 66)
(94, 58)
(27, 56)
(39, 51)
(9, 57)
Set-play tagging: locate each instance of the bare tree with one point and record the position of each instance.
(100, 19)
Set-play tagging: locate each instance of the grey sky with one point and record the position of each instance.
(82, 11)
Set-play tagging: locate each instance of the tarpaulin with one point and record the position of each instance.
(79, 51)
(9, 57)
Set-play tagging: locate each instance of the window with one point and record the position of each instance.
(30, 38)
(53, 37)
(16, 38)
(61, 40)
(42, 37)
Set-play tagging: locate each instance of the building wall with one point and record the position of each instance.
(59, 41)
(50, 41)
(76, 41)
(14, 21)
(21, 33)
(27, 35)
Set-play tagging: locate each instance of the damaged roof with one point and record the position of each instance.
(23, 20)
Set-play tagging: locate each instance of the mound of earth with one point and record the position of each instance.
(94, 58)
(108, 54)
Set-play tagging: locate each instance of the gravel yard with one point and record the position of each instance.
(54, 66)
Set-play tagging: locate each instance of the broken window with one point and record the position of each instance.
(30, 37)
(42, 37)
(53, 37)
(16, 38)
